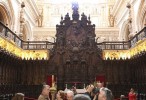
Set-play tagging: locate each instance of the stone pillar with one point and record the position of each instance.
(22, 20)
(131, 35)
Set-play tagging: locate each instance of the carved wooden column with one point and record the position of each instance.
(116, 75)
(105, 68)
(37, 71)
(124, 71)
(5, 72)
(1, 67)
(144, 68)
(127, 71)
(60, 76)
(30, 71)
(114, 71)
(18, 73)
(24, 77)
(83, 72)
(110, 72)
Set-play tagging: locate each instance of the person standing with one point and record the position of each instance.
(132, 94)
(45, 93)
(60, 95)
(105, 94)
(70, 95)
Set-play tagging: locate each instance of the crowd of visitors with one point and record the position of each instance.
(98, 92)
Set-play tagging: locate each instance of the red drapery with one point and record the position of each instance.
(49, 79)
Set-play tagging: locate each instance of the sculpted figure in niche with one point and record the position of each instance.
(84, 17)
(91, 40)
(67, 16)
(40, 19)
(76, 34)
(60, 39)
(22, 19)
(111, 21)
(75, 7)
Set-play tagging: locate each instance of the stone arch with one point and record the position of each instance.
(6, 15)
(141, 16)
(27, 32)
(125, 31)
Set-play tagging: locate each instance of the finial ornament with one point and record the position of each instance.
(75, 8)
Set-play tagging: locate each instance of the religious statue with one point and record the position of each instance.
(67, 16)
(40, 19)
(60, 40)
(111, 20)
(22, 20)
(75, 7)
(91, 41)
(130, 22)
(84, 17)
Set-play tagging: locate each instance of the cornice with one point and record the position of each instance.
(107, 29)
(40, 29)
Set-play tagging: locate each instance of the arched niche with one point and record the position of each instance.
(7, 15)
(4, 17)
(141, 16)
(125, 31)
(27, 32)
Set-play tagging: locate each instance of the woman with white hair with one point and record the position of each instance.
(82, 97)
(18, 96)
(105, 94)
(70, 95)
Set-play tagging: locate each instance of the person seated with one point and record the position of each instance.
(18, 96)
(132, 94)
(105, 94)
(45, 93)
(81, 97)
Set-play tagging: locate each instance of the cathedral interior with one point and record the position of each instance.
(72, 43)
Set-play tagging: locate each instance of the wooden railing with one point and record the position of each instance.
(114, 45)
(31, 45)
(123, 45)
(39, 45)
(7, 33)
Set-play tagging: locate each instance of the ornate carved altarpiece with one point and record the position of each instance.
(75, 56)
